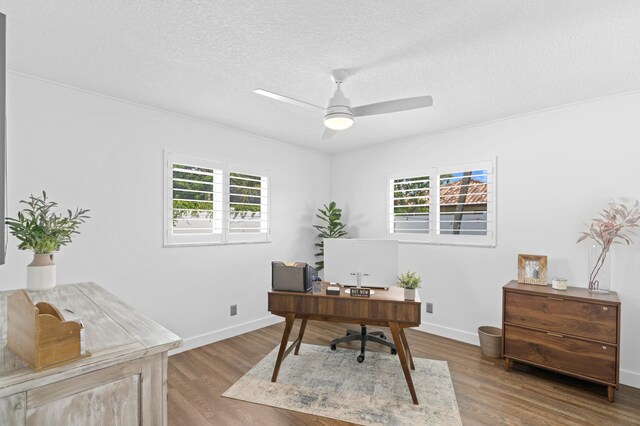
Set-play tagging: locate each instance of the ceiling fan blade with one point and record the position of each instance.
(288, 100)
(327, 133)
(392, 106)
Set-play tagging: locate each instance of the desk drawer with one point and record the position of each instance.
(577, 356)
(564, 316)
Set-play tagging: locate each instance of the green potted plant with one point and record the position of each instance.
(409, 281)
(331, 228)
(42, 231)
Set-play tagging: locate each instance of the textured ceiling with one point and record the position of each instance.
(479, 59)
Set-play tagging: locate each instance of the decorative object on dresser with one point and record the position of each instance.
(39, 333)
(559, 283)
(42, 231)
(124, 381)
(610, 227)
(409, 281)
(574, 332)
(532, 269)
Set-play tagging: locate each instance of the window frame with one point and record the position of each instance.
(224, 236)
(434, 236)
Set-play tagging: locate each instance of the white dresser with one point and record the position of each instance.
(122, 382)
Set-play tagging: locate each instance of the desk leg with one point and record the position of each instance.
(395, 332)
(289, 319)
(300, 334)
(406, 347)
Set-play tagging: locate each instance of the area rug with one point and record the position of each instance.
(333, 384)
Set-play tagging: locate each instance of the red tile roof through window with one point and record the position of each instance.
(476, 192)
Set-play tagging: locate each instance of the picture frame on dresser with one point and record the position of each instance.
(532, 269)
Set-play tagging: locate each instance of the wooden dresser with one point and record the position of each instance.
(573, 332)
(121, 382)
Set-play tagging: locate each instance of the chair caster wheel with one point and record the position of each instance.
(393, 351)
(360, 358)
(333, 347)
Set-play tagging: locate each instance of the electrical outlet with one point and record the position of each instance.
(234, 310)
(429, 307)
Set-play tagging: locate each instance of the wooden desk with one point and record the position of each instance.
(122, 381)
(386, 308)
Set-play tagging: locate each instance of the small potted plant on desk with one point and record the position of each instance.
(42, 231)
(410, 281)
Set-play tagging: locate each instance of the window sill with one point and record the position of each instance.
(229, 243)
(430, 243)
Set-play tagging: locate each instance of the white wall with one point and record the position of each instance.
(556, 169)
(107, 155)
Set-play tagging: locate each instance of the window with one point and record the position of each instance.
(444, 205)
(248, 209)
(210, 202)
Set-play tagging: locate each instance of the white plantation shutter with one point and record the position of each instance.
(194, 208)
(444, 205)
(410, 206)
(210, 202)
(466, 204)
(248, 214)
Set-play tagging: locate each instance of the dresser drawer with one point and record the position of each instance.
(581, 357)
(565, 316)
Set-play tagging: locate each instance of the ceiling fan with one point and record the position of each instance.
(339, 115)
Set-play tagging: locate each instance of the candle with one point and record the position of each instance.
(559, 283)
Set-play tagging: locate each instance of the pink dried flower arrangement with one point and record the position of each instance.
(611, 227)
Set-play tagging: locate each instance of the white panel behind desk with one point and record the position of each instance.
(376, 258)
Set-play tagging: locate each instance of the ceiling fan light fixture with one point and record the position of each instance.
(338, 115)
(338, 120)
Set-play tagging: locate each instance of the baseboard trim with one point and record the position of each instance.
(450, 333)
(630, 378)
(225, 333)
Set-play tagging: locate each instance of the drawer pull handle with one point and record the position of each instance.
(555, 334)
(555, 298)
(604, 308)
(604, 347)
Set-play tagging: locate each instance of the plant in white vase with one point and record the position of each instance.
(409, 281)
(42, 231)
(611, 227)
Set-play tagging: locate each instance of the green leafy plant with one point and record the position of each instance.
(409, 280)
(40, 229)
(330, 228)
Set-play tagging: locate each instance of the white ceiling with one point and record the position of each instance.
(480, 59)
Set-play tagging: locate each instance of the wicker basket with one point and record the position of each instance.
(490, 341)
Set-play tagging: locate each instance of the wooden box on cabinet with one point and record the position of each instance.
(573, 332)
(39, 334)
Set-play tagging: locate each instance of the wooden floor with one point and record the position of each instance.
(486, 393)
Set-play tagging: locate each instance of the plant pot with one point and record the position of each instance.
(409, 294)
(41, 272)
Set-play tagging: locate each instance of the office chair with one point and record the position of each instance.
(363, 336)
